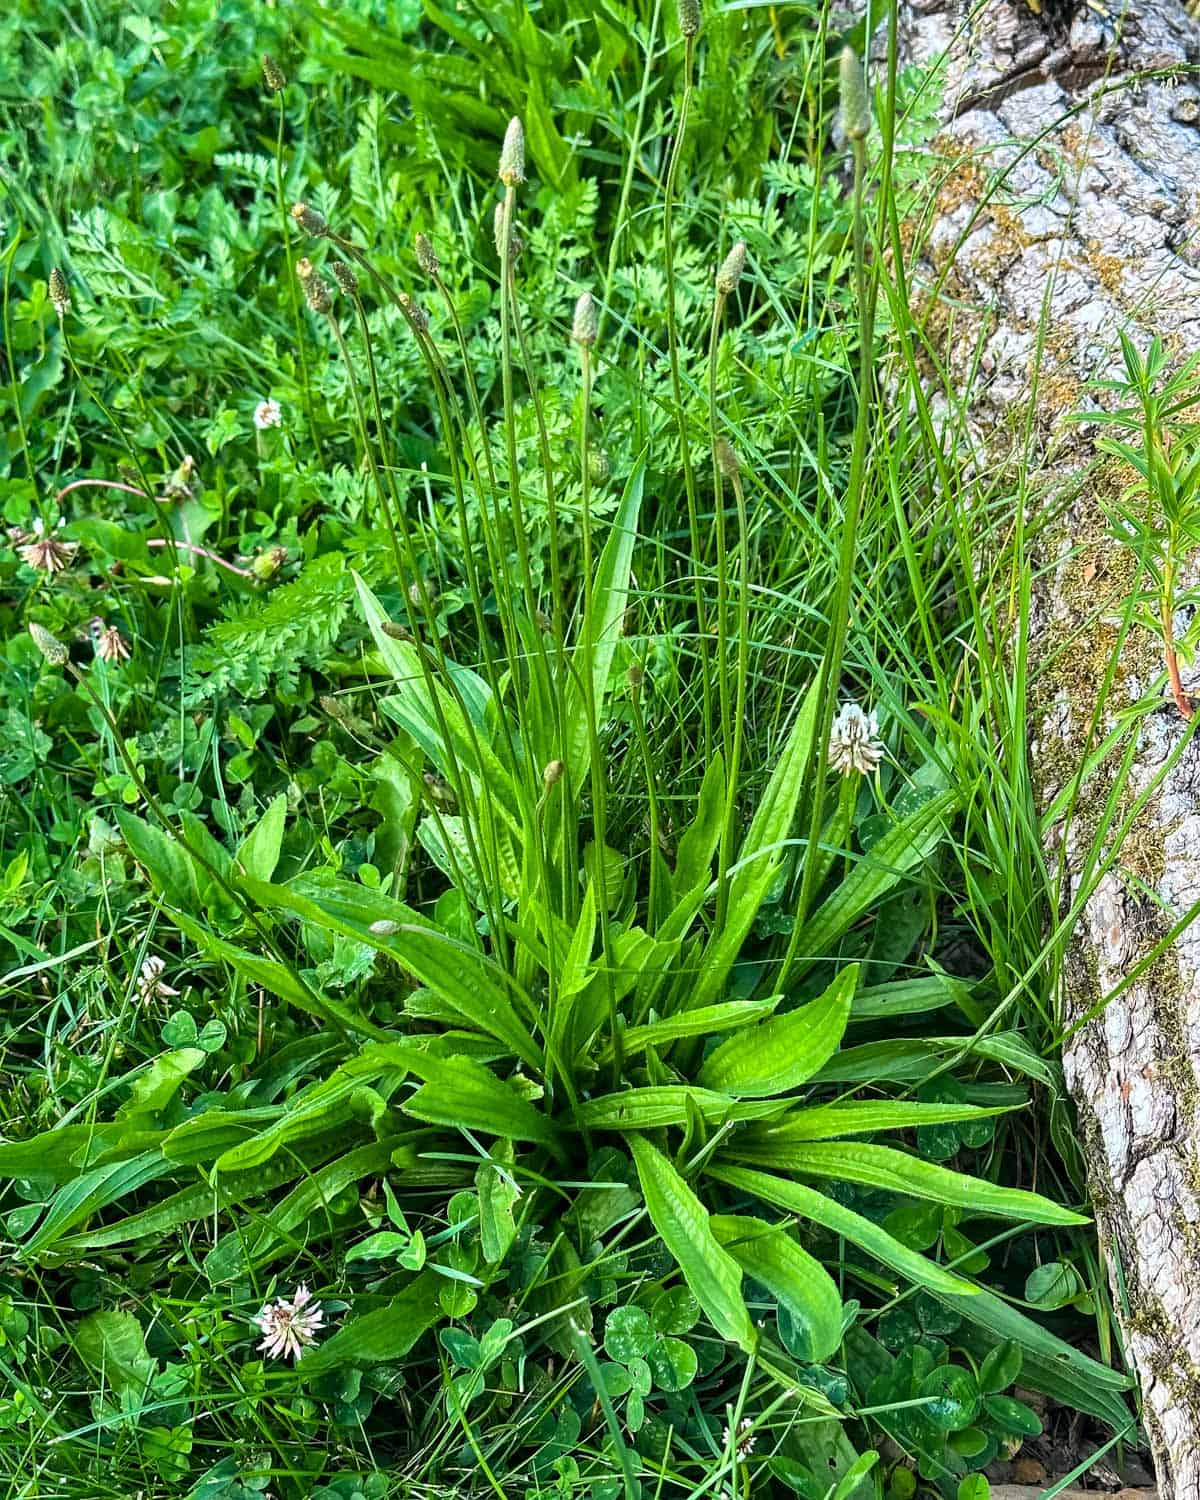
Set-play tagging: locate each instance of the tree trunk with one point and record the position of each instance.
(1069, 210)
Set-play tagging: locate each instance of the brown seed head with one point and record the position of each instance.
(689, 17)
(59, 296)
(417, 315)
(272, 75)
(426, 256)
(345, 277)
(316, 288)
(310, 220)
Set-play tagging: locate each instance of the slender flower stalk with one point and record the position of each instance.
(724, 463)
(405, 557)
(584, 335)
(856, 118)
(689, 25)
(276, 85)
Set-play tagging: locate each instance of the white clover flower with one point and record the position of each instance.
(854, 743)
(268, 413)
(150, 983)
(744, 1446)
(290, 1327)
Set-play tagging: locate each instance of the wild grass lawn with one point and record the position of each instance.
(529, 963)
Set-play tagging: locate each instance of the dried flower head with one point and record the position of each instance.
(395, 631)
(58, 293)
(107, 641)
(310, 220)
(417, 315)
(689, 17)
(854, 743)
(855, 104)
(345, 277)
(272, 75)
(586, 323)
(552, 773)
(727, 460)
(268, 413)
(730, 272)
(46, 552)
(290, 1327)
(49, 645)
(512, 154)
(744, 1443)
(150, 983)
(426, 255)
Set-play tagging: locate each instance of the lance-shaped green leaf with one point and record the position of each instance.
(711, 1272)
(603, 625)
(274, 977)
(798, 1283)
(809, 1204)
(707, 1021)
(897, 1172)
(853, 1117)
(759, 856)
(901, 850)
(388, 1333)
(454, 971)
(668, 1104)
(781, 1054)
(460, 1091)
(78, 1200)
(448, 721)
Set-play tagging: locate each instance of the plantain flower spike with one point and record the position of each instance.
(417, 315)
(59, 295)
(345, 277)
(727, 460)
(856, 107)
(689, 17)
(586, 323)
(49, 645)
(512, 154)
(272, 74)
(426, 256)
(316, 289)
(730, 272)
(310, 220)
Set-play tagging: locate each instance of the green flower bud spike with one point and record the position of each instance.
(856, 105)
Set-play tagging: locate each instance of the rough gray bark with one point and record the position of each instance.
(1071, 210)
